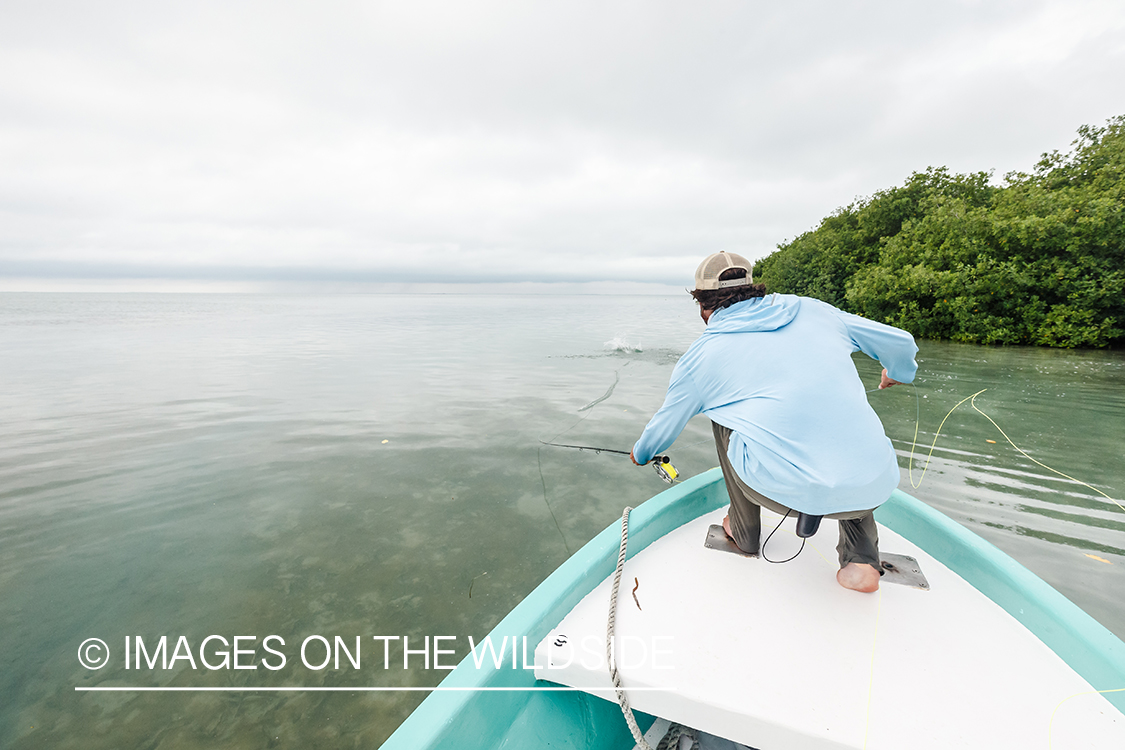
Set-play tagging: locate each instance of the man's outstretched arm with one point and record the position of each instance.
(681, 404)
(893, 347)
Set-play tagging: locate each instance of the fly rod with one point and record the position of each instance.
(663, 465)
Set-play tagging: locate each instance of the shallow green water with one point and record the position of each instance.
(354, 465)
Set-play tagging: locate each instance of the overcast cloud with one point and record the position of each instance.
(507, 141)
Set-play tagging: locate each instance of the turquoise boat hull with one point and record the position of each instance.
(486, 707)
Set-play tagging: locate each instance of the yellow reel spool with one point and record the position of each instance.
(664, 469)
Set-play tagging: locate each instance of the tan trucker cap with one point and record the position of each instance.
(707, 275)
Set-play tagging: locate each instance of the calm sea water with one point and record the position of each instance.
(196, 465)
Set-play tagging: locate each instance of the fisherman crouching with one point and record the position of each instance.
(792, 424)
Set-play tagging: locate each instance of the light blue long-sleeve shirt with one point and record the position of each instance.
(778, 372)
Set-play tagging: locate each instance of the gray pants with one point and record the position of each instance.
(859, 536)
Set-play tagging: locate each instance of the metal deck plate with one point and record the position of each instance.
(901, 569)
(718, 539)
(904, 570)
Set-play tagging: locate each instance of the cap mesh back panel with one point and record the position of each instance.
(717, 265)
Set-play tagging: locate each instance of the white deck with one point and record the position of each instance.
(780, 656)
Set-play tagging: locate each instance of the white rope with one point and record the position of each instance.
(671, 739)
(622, 699)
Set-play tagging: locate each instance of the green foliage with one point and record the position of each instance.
(1039, 260)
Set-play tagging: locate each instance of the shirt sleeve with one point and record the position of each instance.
(893, 347)
(681, 404)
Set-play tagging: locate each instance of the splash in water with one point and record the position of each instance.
(621, 344)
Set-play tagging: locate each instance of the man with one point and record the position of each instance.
(790, 416)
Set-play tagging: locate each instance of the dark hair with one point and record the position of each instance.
(717, 299)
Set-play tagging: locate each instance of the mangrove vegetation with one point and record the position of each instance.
(1038, 259)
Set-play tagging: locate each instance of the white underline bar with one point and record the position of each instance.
(118, 689)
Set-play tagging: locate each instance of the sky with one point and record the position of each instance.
(607, 144)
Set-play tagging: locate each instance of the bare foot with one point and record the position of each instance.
(726, 528)
(858, 577)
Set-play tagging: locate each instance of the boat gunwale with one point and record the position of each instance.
(550, 601)
(1087, 646)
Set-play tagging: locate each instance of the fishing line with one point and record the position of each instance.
(973, 403)
(929, 457)
(539, 453)
(1045, 466)
(1051, 723)
(539, 462)
(917, 425)
(871, 678)
(548, 502)
(595, 402)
